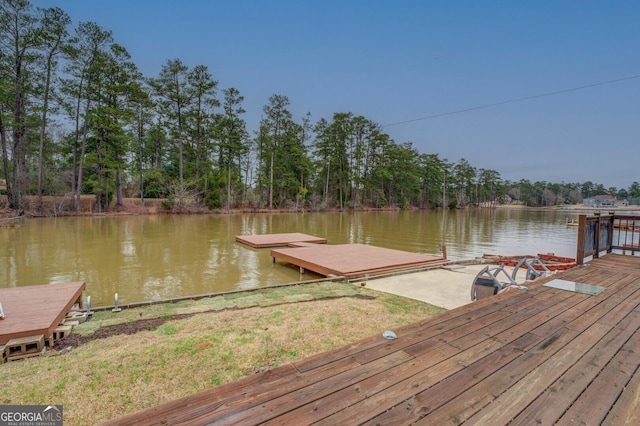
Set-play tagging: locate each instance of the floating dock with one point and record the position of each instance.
(278, 240)
(36, 310)
(351, 260)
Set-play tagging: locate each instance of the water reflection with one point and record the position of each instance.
(157, 257)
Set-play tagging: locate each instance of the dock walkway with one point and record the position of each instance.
(349, 260)
(542, 356)
(278, 240)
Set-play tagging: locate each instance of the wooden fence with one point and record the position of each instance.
(608, 233)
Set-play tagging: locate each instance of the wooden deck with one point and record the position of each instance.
(349, 260)
(34, 310)
(278, 240)
(542, 356)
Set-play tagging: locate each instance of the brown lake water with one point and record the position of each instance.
(156, 257)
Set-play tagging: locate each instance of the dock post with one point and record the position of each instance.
(581, 241)
(443, 248)
(89, 311)
(115, 307)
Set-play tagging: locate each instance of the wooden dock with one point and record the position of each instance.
(542, 356)
(278, 240)
(349, 260)
(36, 310)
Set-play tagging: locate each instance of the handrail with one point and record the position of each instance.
(608, 233)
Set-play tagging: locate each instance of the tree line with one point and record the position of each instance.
(77, 117)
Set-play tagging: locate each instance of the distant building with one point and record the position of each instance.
(600, 201)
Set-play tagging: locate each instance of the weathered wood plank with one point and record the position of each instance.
(606, 312)
(524, 355)
(509, 404)
(535, 297)
(286, 402)
(423, 380)
(365, 389)
(572, 315)
(616, 263)
(593, 404)
(552, 403)
(545, 311)
(477, 397)
(368, 407)
(426, 401)
(416, 346)
(626, 409)
(429, 351)
(411, 334)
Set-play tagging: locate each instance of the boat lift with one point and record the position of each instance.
(488, 282)
(535, 268)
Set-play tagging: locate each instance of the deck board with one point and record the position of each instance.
(627, 408)
(278, 240)
(542, 356)
(349, 260)
(34, 310)
(550, 405)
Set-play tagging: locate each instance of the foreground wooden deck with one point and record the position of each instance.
(544, 356)
(348, 260)
(35, 310)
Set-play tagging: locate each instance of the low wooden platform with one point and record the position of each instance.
(300, 244)
(351, 260)
(278, 240)
(34, 310)
(543, 356)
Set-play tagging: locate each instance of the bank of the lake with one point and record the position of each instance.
(215, 341)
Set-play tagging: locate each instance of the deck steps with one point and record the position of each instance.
(60, 332)
(24, 347)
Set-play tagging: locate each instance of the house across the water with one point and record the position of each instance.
(605, 201)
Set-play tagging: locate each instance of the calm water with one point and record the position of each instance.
(157, 257)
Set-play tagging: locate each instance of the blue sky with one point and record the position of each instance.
(393, 61)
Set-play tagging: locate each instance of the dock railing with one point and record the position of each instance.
(607, 233)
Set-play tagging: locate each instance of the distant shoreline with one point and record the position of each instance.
(58, 207)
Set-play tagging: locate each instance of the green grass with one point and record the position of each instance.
(107, 378)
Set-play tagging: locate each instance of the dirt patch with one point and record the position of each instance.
(134, 327)
(115, 330)
(363, 296)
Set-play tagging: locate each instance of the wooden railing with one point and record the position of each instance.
(608, 233)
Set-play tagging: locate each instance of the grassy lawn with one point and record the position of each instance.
(220, 339)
